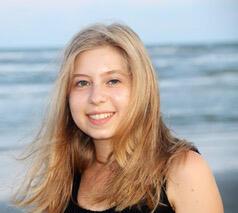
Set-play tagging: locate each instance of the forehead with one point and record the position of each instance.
(101, 59)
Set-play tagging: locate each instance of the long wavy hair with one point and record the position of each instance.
(143, 147)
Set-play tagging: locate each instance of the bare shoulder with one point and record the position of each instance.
(192, 186)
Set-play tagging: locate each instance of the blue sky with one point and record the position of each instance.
(29, 23)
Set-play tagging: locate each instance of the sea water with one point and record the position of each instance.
(199, 99)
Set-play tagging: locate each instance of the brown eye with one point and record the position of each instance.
(113, 82)
(82, 83)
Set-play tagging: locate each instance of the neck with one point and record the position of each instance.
(103, 150)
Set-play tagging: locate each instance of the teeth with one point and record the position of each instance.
(101, 116)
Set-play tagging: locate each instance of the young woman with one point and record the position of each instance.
(103, 146)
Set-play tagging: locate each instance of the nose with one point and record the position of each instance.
(97, 95)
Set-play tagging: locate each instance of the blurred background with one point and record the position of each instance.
(194, 48)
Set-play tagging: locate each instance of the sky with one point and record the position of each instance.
(52, 23)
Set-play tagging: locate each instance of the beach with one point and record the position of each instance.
(199, 101)
(11, 176)
(227, 183)
(228, 186)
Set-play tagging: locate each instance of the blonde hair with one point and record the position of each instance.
(64, 150)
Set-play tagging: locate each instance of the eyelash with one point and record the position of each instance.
(79, 82)
(116, 81)
(113, 80)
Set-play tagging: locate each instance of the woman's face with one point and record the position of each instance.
(100, 92)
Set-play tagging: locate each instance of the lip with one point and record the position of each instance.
(97, 112)
(100, 121)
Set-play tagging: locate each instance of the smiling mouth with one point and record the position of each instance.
(100, 118)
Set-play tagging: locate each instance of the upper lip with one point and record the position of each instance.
(96, 112)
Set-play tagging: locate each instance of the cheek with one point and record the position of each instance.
(75, 103)
(121, 97)
(76, 109)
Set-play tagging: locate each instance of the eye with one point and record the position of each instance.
(82, 83)
(113, 82)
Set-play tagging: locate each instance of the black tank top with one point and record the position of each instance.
(73, 206)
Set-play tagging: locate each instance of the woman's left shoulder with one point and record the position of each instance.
(191, 164)
(191, 186)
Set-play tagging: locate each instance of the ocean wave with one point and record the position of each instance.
(18, 89)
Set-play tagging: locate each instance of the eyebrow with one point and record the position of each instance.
(103, 74)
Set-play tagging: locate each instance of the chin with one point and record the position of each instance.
(101, 137)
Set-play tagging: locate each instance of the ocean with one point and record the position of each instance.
(199, 99)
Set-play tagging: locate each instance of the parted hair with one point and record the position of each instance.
(143, 147)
